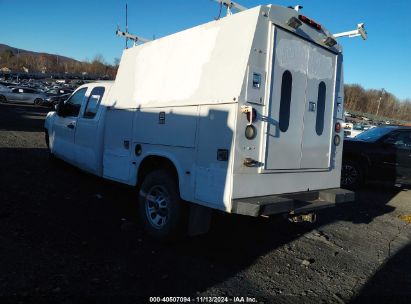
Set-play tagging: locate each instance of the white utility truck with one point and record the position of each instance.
(242, 114)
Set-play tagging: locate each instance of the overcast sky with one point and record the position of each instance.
(82, 29)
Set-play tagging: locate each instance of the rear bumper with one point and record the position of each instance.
(295, 203)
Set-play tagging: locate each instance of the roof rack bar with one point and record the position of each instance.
(132, 37)
(360, 31)
(231, 5)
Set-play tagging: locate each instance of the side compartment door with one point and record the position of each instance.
(88, 136)
(62, 143)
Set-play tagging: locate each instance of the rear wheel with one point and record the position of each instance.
(38, 101)
(351, 175)
(161, 209)
(3, 99)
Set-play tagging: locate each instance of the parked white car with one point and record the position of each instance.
(22, 95)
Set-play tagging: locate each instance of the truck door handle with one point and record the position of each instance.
(70, 126)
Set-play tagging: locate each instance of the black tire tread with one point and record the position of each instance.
(178, 218)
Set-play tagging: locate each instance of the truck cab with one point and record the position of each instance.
(74, 132)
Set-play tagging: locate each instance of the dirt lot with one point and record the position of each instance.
(68, 235)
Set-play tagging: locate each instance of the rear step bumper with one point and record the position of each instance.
(295, 203)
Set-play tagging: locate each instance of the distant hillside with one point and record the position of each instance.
(24, 61)
(15, 51)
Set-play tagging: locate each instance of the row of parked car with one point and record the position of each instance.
(34, 93)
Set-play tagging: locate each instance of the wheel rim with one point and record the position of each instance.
(37, 101)
(349, 175)
(157, 204)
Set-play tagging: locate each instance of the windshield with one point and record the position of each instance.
(374, 134)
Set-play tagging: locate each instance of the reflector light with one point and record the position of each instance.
(310, 22)
(337, 140)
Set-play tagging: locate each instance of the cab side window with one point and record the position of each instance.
(73, 104)
(93, 102)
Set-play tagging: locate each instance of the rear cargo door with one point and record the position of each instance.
(299, 72)
(318, 123)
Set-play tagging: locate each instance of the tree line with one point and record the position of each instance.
(376, 102)
(47, 63)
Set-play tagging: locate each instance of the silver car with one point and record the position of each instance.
(23, 95)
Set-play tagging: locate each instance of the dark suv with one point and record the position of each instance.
(54, 96)
(382, 153)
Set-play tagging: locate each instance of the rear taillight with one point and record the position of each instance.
(310, 22)
(338, 127)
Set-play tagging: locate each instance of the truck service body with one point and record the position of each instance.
(245, 111)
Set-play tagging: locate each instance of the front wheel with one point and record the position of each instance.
(3, 99)
(161, 209)
(351, 175)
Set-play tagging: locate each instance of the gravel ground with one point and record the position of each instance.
(67, 235)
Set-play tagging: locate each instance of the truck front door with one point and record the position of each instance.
(64, 127)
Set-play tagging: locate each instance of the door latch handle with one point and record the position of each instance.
(70, 126)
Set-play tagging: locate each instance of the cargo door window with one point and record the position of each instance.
(73, 105)
(322, 93)
(285, 101)
(93, 102)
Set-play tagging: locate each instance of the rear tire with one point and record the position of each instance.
(3, 99)
(352, 175)
(161, 209)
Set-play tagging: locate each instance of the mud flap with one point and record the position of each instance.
(199, 220)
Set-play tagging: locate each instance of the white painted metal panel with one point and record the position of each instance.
(202, 65)
(176, 126)
(213, 177)
(283, 150)
(117, 159)
(316, 147)
(63, 138)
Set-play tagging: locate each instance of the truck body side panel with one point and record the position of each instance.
(201, 65)
(117, 141)
(215, 148)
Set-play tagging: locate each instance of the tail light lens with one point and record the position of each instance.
(338, 127)
(310, 22)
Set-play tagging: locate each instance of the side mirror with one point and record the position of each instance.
(60, 109)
